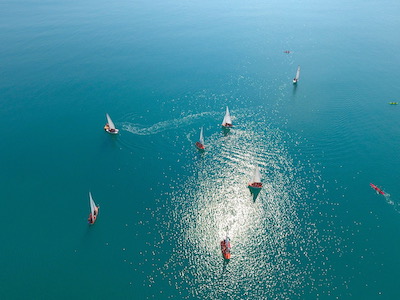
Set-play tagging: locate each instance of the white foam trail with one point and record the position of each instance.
(164, 125)
(396, 205)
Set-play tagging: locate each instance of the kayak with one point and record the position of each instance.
(378, 190)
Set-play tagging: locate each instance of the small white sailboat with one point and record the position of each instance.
(296, 78)
(227, 122)
(256, 179)
(94, 210)
(110, 127)
(200, 143)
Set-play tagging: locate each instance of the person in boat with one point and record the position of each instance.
(256, 184)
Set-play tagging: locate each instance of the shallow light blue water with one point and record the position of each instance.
(162, 70)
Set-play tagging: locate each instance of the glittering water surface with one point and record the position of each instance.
(275, 246)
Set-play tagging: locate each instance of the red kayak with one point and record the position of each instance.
(226, 248)
(378, 190)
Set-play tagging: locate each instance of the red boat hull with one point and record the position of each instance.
(92, 219)
(200, 146)
(377, 189)
(255, 185)
(225, 249)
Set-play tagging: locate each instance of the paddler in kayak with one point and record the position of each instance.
(378, 190)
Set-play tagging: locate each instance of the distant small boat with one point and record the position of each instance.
(200, 143)
(286, 51)
(110, 127)
(378, 190)
(226, 248)
(256, 180)
(296, 78)
(393, 103)
(94, 210)
(227, 122)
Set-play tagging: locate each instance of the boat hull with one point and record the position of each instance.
(109, 130)
(200, 146)
(255, 185)
(378, 190)
(115, 131)
(225, 249)
(92, 220)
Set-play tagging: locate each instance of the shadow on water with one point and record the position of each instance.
(225, 131)
(224, 264)
(254, 192)
(88, 234)
(111, 140)
(200, 151)
(294, 89)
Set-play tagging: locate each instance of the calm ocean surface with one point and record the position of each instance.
(162, 70)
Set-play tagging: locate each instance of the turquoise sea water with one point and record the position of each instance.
(162, 70)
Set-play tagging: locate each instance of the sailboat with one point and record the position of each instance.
(94, 210)
(256, 180)
(227, 122)
(110, 127)
(296, 78)
(226, 248)
(200, 143)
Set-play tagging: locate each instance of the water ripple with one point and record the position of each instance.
(271, 237)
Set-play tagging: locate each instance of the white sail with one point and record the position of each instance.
(227, 118)
(92, 204)
(110, 122)
(256, 175)
(298, 73)
(201, 140)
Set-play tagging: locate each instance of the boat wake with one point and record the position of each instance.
(391, 202)
(165, 125)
